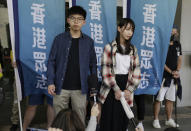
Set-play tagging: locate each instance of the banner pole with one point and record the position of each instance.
(20, 117)
(70, 3)
(124, 8)
(12, 35)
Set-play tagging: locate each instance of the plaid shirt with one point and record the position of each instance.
(108, 75)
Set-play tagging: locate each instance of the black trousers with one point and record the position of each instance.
(113, 117)
(140, 102)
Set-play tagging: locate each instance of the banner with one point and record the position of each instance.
(39, 22)
(100, 24)
(153, 24)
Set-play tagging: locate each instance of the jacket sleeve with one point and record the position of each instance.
(92, 124)
(93, 60)
(134, 76)
(107, 75)
(51, 63)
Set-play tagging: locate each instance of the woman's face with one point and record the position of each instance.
(126, 32)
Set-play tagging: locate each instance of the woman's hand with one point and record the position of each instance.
(118, 94)
(138, 129)
(127, 95)
(95, 110)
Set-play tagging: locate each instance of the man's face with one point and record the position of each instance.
(76, 22)
(174, 32)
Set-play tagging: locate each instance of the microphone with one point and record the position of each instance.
(95, 99)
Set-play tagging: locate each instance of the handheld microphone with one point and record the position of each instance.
(95, 99)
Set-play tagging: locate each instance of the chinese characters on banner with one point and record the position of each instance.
(148, 40)
(154, 20)
(96, 30)
(39, 21)
(100, 24)
(39, 42)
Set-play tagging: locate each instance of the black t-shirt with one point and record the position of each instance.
(72, 76)
(174, 51)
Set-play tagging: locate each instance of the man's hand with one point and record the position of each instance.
(118, 94)
(51, 89)
(14, 64)
(176, 74)
(127, 95)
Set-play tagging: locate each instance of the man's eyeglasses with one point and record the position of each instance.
(78, 19)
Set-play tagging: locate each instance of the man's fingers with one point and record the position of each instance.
(51, 91)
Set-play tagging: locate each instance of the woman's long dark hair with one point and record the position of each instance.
(128, 46)
(68, 120)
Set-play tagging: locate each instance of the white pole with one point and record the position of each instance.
(18, 97)
(124, 8)
(70, 3)
(17, 79)
(20, 117)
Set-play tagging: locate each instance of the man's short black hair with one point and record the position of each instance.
(77, 10)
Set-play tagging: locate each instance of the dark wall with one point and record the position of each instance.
(177, 20)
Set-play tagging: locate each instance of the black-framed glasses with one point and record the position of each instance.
(77, 19)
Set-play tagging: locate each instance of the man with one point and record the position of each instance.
(171, 80)
(70, 59)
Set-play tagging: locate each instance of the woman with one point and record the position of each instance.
(121, 74)
(68, 120)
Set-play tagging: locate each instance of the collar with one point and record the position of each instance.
(70, 36)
